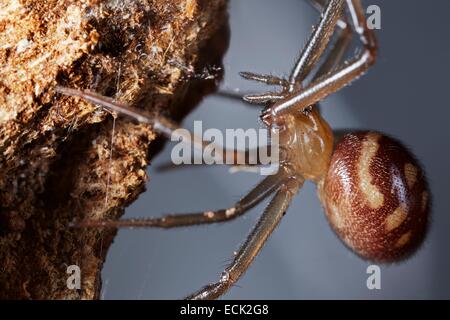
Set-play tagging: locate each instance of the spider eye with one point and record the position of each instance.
(376, 197)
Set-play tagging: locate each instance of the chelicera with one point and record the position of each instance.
(373, 190)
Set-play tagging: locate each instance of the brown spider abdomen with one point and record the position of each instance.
(375, 196)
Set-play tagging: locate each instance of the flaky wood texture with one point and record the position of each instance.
(55, 151)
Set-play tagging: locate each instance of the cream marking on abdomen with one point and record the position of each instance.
(369, 150)
(394, 220)
(335, 216)
(404, 239)
(410, 174)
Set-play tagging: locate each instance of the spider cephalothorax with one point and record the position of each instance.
(307, 140)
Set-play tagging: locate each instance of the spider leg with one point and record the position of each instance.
(253, 244)
(168, 166)
(310, 55)
(250, 160)
(160, 124)
(366, 34)
(317, 43)
(235, 96)
(333, 59)
(250, 98)
(336, 54)
(267, 79)
(319, 5)
(255, 196)
(165, 126)
(337, 79)
(265, 98)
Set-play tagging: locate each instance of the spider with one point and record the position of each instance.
(372, 188)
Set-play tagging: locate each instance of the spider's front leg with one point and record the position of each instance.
(254, 242)
(309, 57)
(310, 54)
(317, 43)
(334, 80)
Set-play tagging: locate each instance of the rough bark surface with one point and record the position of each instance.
(56, 164)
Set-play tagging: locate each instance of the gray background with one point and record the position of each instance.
(404, 95)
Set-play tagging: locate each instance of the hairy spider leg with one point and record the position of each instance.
(264, 189)
(165, 127)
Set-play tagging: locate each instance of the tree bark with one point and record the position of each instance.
(56, 162)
